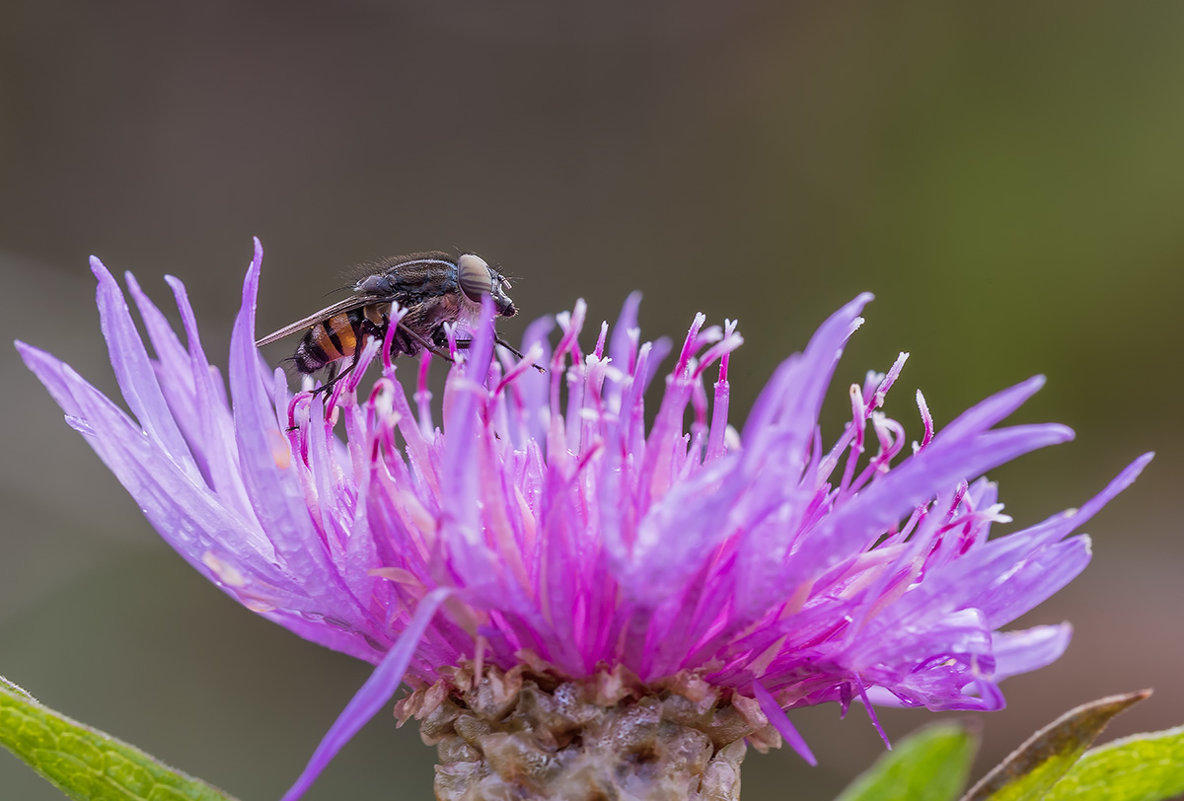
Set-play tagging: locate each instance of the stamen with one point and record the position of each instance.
(927, 420)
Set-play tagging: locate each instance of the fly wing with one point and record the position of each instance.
(341, 306)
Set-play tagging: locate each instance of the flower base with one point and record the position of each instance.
(531, 737)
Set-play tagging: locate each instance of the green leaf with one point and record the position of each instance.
(1038, 764)
(1144, 767)
(8, 685)
(930, 765)
(86, 764)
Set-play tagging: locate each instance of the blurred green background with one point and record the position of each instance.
(1008, 178)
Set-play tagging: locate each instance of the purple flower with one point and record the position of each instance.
(544, 522)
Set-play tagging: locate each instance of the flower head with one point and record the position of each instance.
(545, 523)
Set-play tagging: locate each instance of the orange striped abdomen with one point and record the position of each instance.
(328, 341)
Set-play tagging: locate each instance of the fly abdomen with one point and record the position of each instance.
(328, 341)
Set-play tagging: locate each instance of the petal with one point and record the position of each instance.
(133, 370)
(878, 507)
(463, 411)
(213, 421)
(373, 695)
(782, 724)
(794, 394)
(992, 410)
(1064, 523)
(1023, 651)
(275, 492)
(185, 512)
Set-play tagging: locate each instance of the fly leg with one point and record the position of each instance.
(462, 344)
(424, 342)
(336, 374)
(497, 338)
(331, 377)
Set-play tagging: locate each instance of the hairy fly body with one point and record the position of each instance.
(434, 288)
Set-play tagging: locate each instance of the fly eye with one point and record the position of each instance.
(473, 274)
